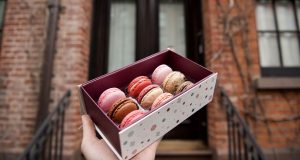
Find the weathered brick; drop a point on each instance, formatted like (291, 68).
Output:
(273, 101)
(21, 59)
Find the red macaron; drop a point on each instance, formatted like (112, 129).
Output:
(137, 85)
(131, 117)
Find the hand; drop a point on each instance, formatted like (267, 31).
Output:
(95, 149)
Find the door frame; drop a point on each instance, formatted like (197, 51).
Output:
(144, 46)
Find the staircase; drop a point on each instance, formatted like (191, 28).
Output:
(47, 143)
(48, 140)
(183, 149)
(241, 143)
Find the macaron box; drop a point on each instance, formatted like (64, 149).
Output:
(136, 105)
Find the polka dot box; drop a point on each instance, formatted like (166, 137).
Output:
(131, 140)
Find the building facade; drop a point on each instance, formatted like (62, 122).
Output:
(253, 45)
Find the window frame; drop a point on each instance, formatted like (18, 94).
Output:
(281, 71)
(3, 20)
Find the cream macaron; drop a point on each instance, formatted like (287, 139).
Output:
(172, 81)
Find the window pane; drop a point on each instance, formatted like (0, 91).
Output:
(269, 55)
(2, 6)
(298, 11)
(122, 34)
(290, 49)
(264, 16)
(172, 26)
(285, 15)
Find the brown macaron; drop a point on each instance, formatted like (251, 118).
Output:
(184, 86)
(173, 81)
(121, 108)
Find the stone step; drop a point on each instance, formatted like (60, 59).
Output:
(183, 149)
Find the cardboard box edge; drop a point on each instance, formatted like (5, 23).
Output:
(82, 104)
(108, 143)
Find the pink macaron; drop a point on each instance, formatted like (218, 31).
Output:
(109, 97)
(161, 99)
(160, 73)
(131, 117)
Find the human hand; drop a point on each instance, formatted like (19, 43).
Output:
(96, 149)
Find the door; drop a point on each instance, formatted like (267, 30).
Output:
(127, 30)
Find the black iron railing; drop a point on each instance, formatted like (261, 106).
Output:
(241, 143)
(47, 143)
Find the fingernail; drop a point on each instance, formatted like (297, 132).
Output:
(80, 127)
(84, 116)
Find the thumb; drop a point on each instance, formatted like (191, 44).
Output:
(88, 126)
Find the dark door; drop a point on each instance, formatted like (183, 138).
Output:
(128, 30)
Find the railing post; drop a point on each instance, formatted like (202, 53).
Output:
(56, 138)
(239, 141)
(62, 135)
(229, 133)
(245, 145)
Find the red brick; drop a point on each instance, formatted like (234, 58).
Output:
(21, 59)
(273, 102)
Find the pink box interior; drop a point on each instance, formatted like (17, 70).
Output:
(92, 89)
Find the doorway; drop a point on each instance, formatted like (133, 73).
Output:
(124, 31)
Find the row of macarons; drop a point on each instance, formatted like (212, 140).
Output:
(149, 93)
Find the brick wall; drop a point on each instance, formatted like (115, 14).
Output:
(22, 55)
(20, 68)
(276, 137)
(71, 65)
(280, 135)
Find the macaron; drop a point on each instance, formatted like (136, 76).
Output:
(148, 95)
(121, 108)
(131, 117)
(160, 73)
(161, 99)
(173, 81)
(184, 86)
(137, 85)
(109, 97)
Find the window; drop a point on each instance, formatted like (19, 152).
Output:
(171, 13)
(2, 8)
(123, 26)
(122, 34)
(278, 37)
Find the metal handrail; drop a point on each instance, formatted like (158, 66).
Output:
(47, 143)
(241, 142)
